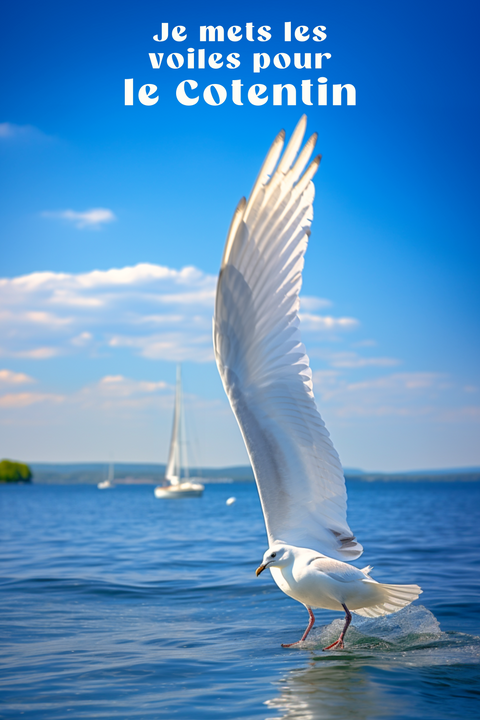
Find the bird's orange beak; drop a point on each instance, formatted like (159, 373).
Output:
(260, 569)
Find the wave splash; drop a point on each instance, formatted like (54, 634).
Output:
(411, 636)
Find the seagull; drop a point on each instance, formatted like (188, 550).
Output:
(267, 377)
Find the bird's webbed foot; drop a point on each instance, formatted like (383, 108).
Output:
(337, 644)
(304, 636)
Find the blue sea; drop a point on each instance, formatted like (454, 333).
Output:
(117, 605)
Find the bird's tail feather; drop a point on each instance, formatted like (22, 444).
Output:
(391, 599)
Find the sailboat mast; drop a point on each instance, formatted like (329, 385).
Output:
(183, 444)
(172, 472)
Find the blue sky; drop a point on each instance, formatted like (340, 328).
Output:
(113, 220)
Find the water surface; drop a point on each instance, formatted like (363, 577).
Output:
(117, 605)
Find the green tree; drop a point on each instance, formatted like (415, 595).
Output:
(11, 471)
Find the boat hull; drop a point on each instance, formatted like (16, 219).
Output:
(182, 490)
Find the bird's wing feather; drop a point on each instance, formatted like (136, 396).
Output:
(263, 363)
(341, 572)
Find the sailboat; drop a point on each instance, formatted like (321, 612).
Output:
(177, 457)
(108, 483)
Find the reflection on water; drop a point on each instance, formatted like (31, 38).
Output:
(333, 691)
(340, 684)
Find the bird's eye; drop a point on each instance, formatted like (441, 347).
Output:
(273, 555)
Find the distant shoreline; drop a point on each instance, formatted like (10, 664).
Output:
(153, 474)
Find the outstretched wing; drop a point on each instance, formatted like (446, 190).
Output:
(262, 361)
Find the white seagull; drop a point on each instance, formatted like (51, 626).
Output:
(267, 377)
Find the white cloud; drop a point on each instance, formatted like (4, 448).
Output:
(21, 400)
(9, 377)
(354, 360)
(46, 318)
(156, 311)
(380, 411)
(205, 298)
(325, 381)
(182, 346)
(8, 129)
(310, 303)
(93, 219)
(402, 382)
(117, 391)
(110, 391)
(11, 131)
(119, 386)
(371, 390)
(38, 353)
(407, 394)
(82, 340)
(319, 323)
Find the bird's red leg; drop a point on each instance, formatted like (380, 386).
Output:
(348, 620)
(309, 627)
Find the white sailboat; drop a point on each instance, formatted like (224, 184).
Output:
(177, 458)
(107, 484)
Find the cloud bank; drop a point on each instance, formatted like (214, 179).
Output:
(154, 311)
(412, 395)
(124, 318)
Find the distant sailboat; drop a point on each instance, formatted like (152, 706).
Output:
(177, 458)
(107, 484)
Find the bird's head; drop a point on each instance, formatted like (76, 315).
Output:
(276, 556)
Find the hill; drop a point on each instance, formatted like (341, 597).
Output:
(152, 474)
